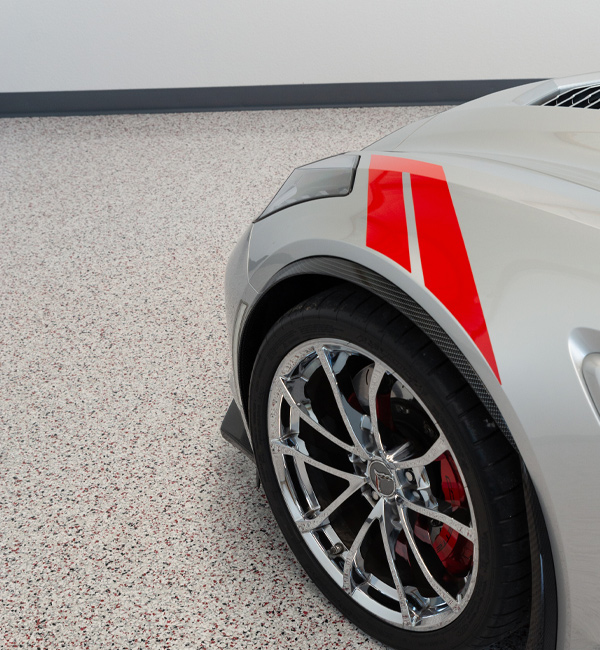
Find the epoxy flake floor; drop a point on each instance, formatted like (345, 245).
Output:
(126, 520)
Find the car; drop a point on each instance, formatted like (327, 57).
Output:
(415, 341)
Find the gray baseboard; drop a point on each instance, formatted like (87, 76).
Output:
(236, 98)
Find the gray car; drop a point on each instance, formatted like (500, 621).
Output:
(415, 335)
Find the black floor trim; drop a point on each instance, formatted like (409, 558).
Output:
(234, 98)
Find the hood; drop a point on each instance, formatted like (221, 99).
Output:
(512, 127)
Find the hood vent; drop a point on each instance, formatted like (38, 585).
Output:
(580, 97)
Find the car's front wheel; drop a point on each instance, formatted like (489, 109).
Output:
(391, 483)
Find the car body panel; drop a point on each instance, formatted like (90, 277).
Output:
(524, 183)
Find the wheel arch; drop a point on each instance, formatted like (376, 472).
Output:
(306, 277)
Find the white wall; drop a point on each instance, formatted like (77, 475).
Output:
(113, 44)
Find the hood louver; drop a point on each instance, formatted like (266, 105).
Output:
(580, 97)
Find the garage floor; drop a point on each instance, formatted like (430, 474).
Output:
(126, 520)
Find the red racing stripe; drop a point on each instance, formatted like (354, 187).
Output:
(446, 268)
(386, 217)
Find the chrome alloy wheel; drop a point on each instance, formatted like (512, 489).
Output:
(372, 484)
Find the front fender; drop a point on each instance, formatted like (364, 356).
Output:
(532, 243)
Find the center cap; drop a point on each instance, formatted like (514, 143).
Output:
(381, 478)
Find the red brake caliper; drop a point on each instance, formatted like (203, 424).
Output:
(454, 551)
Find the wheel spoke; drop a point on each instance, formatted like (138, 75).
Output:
(374, 382)
(298, 411)
(351, 417)
(306, 526)
(434, 452)
(293, 428)
(320, 516)
(351, 555)
(305, 484)
(433, 583)
(461, 529)
(389, 534)
(282, 448)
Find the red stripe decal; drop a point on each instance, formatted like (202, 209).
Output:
(446, 268)
(386, 218)
(399, 165)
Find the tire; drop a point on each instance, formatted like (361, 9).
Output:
(411, 522)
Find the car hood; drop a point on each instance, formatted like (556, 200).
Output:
(511, 127)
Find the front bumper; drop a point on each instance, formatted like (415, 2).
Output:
(234, 431)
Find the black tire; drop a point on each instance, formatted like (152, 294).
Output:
(499, 596)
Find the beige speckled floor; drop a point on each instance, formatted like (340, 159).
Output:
(126, 520)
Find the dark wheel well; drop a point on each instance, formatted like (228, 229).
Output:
(279, 299)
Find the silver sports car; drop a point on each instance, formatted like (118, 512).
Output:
(415, 333)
